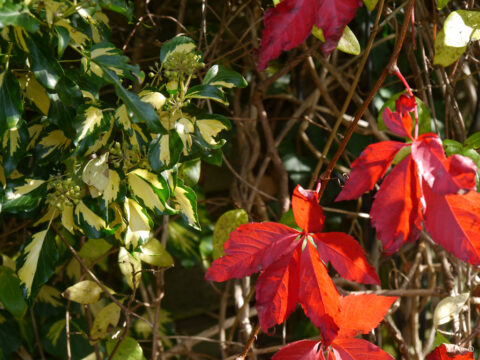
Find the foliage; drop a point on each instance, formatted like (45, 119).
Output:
(123, 181)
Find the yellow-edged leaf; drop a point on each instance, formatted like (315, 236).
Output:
(108, 316)
(82, 212)
(138, 229)
(153, 253)
(50, 215)
(50, 295)
(153, 97)
(118, 221)
(185, 202)
(95, 173)
(130, 267)
(184, 128)
(55, 331)
(113, 185)
(31, 184)
(84, 292)
(93, 119)
(143, 190)
(67, 217)
(210, 128)
(35, 92)
(32, 251)
(54, 140)
(34, 132)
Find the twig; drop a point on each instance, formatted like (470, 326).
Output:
(249, 343)
(393, 60)
(37, 336)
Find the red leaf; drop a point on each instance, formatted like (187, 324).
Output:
(358, 349)
(300, 350)
(306, 210)
(398, 123)
(318, 296)
(397, 212)
(346, 256)
(371, 165)
(332, 16)
(362, 313)
(277, 290)
(449, 352)
(453, 221)
(446, 176)
(290, 22)
(246, 250)
(405, 104)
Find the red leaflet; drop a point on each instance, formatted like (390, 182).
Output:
(445, 176)
(453, 221)
(290, 22)
(354, 318)
(288, 258)
(346, 256)
(450, 352)
(308, 214)
(359, 314)
(371, 165)
(397, 210)
(400, 124)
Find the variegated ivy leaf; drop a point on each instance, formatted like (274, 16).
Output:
(24, 197)
(91, 122)
(177, 44)
(53, 140)
(130, 267)
(14, 144)
(150, 189)
(101, 141)
(220, 76)
(105, 319)
(67, 217)
(155, 98)
(12, 108)
(95, 173)
(55, 331)
(84, 292)
(37, 261)
(77, 37)
(206, 92)
(34, 132)
(139, 224)
(164, 152)
(118, 222)
(91, 224)
(109, 57)
(208, 127)
(112, 188)
(49, 295)
(153, 253)
(35, 92)
(185, 128)
(184, 201)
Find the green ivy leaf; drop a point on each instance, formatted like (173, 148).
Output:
(10, 292)
(11, 100)
(18, 15)
(220, 76)
(226, 223)
(177, 44)
(206, 92)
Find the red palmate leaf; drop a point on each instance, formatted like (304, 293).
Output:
(288, 258)
(358, 349)
(362, 313)
(359, 314)
(346, 256)
(300, 350)
(405, 104)
(450, 352)
(371, 165)
(306, 210)
(398, 123)
(318, 296)
(246, 250)
(397, 211)
(453, 221)
(445, 176)
(290, 22)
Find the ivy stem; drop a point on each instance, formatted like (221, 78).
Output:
(390, 68)
(250, 342)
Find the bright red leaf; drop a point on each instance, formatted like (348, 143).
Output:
(450, 352)
(453, 221)
(287, 258)
(398, 123)
(371, 165)
(359, 314)
(402, 204)
(397, 210)
(290, 22)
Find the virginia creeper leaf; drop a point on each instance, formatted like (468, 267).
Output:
(290, 22)
(358, 349)
(446, 176)
(452, 221)
(306, 210)
(371, 165)
(346, 256)
(397, 211)
(300, 350)
(450, 352)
